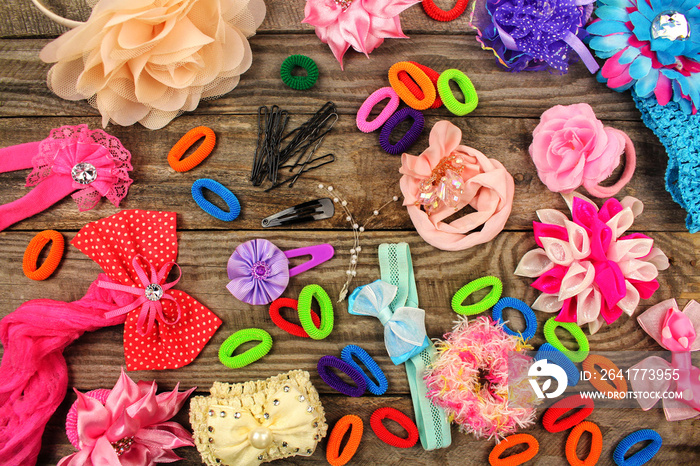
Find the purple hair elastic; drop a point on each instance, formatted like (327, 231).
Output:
(259, 271)
(411, 135)
(335, 382)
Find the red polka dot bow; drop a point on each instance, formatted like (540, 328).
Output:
(165, 328)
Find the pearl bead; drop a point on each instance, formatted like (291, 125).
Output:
(260, 437)
(354, 273)
(344, 203)
(348, 272)
(396, 198)
(362, 228)
(353, 261)
(358, 249)
(348, 218)
(354, 256)
(330, 188)
(320, 186)
(355, 226)
(335, 199)
(352, 251)
(376, 212)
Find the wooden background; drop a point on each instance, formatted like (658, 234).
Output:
(501, 127)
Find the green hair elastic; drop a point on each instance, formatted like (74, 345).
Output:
(550, 335)
(229, 346)
(304, 308)
(489, 300)
(299, 82)
(471, 99)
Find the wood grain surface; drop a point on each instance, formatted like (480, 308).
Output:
(501, 127)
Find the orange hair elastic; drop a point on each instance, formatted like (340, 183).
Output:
(596, 444)
(333, 455)
(618, 388)
(514, 460)
(31, 255)
(187, 141)
(420, 77)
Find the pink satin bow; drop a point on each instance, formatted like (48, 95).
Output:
(676, 331)
(153, 290)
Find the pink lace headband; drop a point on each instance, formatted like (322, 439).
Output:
(572, 148)
(73, 159)
(447, 177)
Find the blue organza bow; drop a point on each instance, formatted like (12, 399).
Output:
(404, 329)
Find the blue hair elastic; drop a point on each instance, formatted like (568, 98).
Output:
(354, 350)
(553, 355)
(524, 309)
(642, 456)
(220, 190)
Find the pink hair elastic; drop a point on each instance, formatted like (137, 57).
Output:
(572, 148)
(374, 98)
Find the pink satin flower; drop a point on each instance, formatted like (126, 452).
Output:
(130, 429)
(360, 24)
(677, 332)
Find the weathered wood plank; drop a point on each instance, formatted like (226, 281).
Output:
(23, 90)
(203, 257)
(359, 160)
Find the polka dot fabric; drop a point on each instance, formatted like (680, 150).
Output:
(112, 243)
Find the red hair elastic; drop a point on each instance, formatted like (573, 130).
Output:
(333, 455)
(187, 141)
(415, 88)
(439, 14)
(375, 421)
(289, 327)
(618, 388)
(596, 444)
(553, 420)
(31, 255)
(533, 446)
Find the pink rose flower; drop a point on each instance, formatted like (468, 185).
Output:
(677, 332)
(571, 147)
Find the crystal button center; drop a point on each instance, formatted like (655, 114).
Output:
(84, 173)
(154, 292)
(670, 25)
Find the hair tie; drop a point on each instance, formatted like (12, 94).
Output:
(72, 433)
(299, 82)
(618, 388)
(572, 148)
(336, 383)
(486, 302)
(187, 141)
(448, 177)
(375, 421)
(554, 420)
(409, 138)
(439, 14)
(420, 77)
(220, 190)
(249, 356)
(304, 306)
(553, 355)
(524, 309)
(533, 447)
(596, 444)
(644, 455)
(551, 336)
(333, 454)
(369, 103)
(415, 89)
(31, 255)
(382, 384)
(471, 99)
(289, 327)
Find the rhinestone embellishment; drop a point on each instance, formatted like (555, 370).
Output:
(260, 457)
(123, 445)
(286, 388)
(84, 173)
(222, 414)
(302, 397)
(154, 292)
(284, 444)
(309, 409)
(237, 415)
(211, 429)
(670, 25)
(276, 402)
(266, 416)
(211, 412)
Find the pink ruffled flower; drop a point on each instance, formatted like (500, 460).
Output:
(571, 147)
(362, 24)
(677, 332)
(130, 429)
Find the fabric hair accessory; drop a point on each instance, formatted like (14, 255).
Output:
(400, 418)
(89, 164)
(524, 309)
(199, 51)
(448, 177)
(554, 420)
(427, 88)
(382, 384)
(249, 356)
(126, 425)
(491, 410)
(533, 447)
(299, 82)
(614, 387)
(439, 14)
(333, 454)
(485, 303)
(572, 148)
(133, 291)
(336, 383)
(642, 456)
(550, 335)
(677, 332)
(574, 438)
(550, 354)
(411, 135)
(587, 270)
(259, 271)
(369, 104)
(362, 25)
(258, 421)
(289, 327)
(234, 206)
(471, 98)
(36, 245)
(415, 89)
(535, 35)
(186, 142)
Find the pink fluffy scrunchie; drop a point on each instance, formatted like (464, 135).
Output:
(447, 177)
(572, 148)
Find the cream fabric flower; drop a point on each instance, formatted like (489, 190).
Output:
(151, 60)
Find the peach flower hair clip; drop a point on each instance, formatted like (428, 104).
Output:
(152, 60)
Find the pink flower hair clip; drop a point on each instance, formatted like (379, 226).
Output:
(572, 148)
(587, 270)
(362, 24)
(127, 425)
